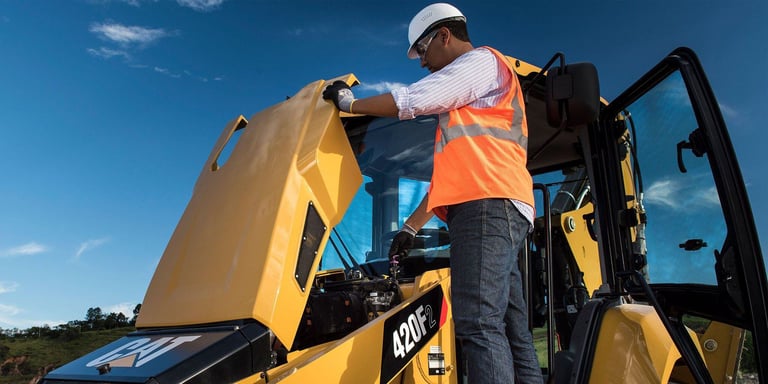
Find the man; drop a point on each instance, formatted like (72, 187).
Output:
(480, 186)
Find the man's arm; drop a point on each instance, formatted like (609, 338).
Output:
(403, 240)
(342, 96)
(420, 216)
(379, 105)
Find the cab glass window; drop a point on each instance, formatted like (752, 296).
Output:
(685, 223)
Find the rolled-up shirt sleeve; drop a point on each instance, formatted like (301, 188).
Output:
(459, 83)
(405, 112)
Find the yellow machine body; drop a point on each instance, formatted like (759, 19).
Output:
(278, 270)
(633, 347)
(356, 358)
(234, 252)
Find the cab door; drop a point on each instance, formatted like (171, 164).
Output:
(682, 238)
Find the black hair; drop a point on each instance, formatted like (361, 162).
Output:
(458, 29)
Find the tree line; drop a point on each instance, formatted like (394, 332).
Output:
(95, 320)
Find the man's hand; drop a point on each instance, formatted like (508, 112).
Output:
(341, 95)
(402, 242)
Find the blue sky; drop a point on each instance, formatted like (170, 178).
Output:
(109, 108)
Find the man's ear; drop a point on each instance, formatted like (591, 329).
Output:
(445, 35)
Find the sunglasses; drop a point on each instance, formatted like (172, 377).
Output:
(423, 44)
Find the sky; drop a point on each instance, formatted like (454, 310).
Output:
(109, 108)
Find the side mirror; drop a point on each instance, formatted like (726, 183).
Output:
(573, 95)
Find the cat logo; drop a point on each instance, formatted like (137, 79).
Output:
(140, 351)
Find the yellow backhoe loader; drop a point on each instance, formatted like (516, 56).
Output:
(644, 265)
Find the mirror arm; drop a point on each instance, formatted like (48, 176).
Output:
(544, 69)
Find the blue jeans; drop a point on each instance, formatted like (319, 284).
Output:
(489, 310)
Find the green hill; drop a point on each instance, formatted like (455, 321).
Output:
(45, 352)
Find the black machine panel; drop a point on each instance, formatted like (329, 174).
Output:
(187, 355)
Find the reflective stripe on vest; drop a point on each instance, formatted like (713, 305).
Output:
(514, 134)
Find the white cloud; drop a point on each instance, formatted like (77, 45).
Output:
(167, 72)
(708, 196)
(727, 110)
(8, 310)
(10, 322)
(9, 318)
(124, 308)
(8, 287)
(133, 3)
(89, 245)
(136, 3)
(201, 5)
(26, 249)
(729, 113)
(662, 192)
(107, 53)
(132, 38)
(125, 35)
(677, 195)
(381, 87)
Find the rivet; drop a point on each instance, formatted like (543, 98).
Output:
(570, 224)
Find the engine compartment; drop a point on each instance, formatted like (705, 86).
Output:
(339, 303)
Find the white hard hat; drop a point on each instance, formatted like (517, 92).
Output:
(423, 22)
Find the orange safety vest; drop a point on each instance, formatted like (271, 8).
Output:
(482, 152)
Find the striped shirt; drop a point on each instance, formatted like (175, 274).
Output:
(475, 78)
